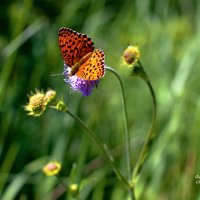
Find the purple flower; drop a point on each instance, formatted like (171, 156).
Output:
(78, 84)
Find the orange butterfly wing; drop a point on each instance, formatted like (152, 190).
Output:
(74, 45)
(93, 67)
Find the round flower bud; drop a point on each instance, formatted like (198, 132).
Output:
(131, 55)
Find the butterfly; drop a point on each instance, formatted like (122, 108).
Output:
(78, 52)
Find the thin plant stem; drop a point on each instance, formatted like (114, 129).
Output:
(127, 139)
(150, 134)
(125, 120)
(100, 146)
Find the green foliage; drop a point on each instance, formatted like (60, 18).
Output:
(168, 35)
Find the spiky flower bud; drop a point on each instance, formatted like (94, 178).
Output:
(37, 104)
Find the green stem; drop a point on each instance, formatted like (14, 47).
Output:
(100, 145)
(128, 144)
(150, 134)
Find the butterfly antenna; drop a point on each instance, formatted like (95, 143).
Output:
(57, 74)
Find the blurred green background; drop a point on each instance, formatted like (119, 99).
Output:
(168, 34)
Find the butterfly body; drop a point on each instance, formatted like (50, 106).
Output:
(77, 65)
(78, 53)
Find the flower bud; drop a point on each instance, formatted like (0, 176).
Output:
(74, 190)
(37, 104)
(51, 168)
(50, 95)
(61, 106)
(131, 55)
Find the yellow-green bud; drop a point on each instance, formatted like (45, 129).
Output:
(131, 55)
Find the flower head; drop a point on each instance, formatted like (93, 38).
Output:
(51, 168)
(78, 84)
(37, 104)
(131, 55)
